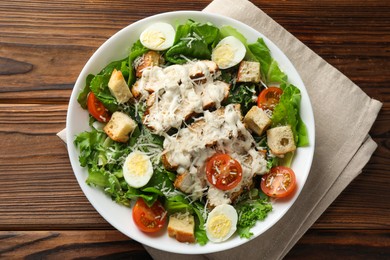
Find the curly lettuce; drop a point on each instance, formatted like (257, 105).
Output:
(250, 211)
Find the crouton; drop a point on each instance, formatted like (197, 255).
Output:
(149, 59)
(118, 87)
(119, 127)
(249, 71)
(281, 140)
(257, 120)
(181, 226)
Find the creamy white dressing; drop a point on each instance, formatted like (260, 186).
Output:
(176, 92)
(221, 130)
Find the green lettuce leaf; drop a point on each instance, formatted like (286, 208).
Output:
(83, 95)
(136, 51)
(197, 49)
(286, 112)
(209, 33)
(242, 94)
(177, 203)
(192, 41)
(250, 211)
(104, 159)
(99, 84)
(270, 71)
(158, 184)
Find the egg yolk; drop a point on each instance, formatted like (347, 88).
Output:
(220, 226)
(138, 164)
(155, 38)
(223, 55)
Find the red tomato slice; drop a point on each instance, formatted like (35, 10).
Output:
(97, 109)
(280, 182)
(223, 171)
(149, 219)
(269, 98)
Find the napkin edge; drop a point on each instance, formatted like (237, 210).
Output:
(359, 161)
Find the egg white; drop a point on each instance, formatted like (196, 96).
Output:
(229, 52)
(221, 223)
(137, 169)
(158, 36)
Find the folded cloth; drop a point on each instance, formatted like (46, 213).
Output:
(343, 116)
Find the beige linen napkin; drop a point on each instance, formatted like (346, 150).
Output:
(343, 116)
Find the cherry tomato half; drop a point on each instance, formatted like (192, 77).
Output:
(97, 109)
(280, 182)
(149, 219)
(269, 98)
(223, 171)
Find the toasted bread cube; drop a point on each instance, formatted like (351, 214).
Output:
(118, 87)
(149, 59)
(119, 127)
(249, 71)
(257, 120)
(181, 226)
(281, 140)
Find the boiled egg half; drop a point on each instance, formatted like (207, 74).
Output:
(229, 52)
(158, 36)
(137, 169)
(221, 223)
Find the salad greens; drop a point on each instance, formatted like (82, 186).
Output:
(104, 157)
(192, 41)
(287, 111)
(250, 211)
(136, 51)
(270, 70)
(242, 94)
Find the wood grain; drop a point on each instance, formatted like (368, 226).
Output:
(45, 44)
(60, 244)
(342, 244)
(56, 244)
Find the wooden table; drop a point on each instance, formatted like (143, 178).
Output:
(45, 44)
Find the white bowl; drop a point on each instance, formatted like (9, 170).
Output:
(120, 217)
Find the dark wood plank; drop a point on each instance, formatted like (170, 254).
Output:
(55, 39)
(60, 244)
(342, 244)
(36, 174)
(64, 35)
(56, 244)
